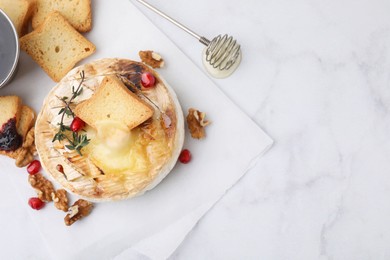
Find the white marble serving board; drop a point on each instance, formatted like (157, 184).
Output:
(164, 215)
(316, 76)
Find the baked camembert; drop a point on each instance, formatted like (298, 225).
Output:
(132, 137)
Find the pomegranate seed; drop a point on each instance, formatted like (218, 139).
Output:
(34, 167)
(77, 124)
(36, 203)
(185, 156)
(148, 80)
(60, 168)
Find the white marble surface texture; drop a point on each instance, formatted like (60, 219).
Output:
(315, 76)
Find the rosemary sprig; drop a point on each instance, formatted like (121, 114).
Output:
(78, 141)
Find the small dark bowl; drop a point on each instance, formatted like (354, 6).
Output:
(9, 49)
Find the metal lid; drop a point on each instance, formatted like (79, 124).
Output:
(9, 49)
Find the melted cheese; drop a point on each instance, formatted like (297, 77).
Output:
(115, 149)
(115, 135)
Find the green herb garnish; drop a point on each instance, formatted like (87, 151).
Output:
(78, 141)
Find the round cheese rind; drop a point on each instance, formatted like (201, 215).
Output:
(81, 175)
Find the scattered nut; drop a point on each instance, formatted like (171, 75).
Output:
(72, 211)
(43, 186)
(196, 123)
(80, 209)
(152, 59)
(29, 140)
(25, 157)
(33, 150)
(60, 199)
(26, 153)
(156, 56)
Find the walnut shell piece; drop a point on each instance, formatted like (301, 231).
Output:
(30, 138)
(196, 123)
(151, 58)
(60, 199)
(26, 153)
(24, 157)
(42, 185)
(80, 209)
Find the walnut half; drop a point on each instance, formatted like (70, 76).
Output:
(42, 185)
(196, 123)
(80, 209)
(152, 59)
(27, 151)
(60, 199)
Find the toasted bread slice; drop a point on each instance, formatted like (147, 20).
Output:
(10, 108)
(19, 11)
(56, 46)
(77, 12)
(113, 101)
(27, 120)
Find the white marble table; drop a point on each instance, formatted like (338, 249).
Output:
(315, 76)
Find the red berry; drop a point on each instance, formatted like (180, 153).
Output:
(148, 80)
(36, 203)
(77, 124)
(34, 167)
(185, 156)
(60, 168)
